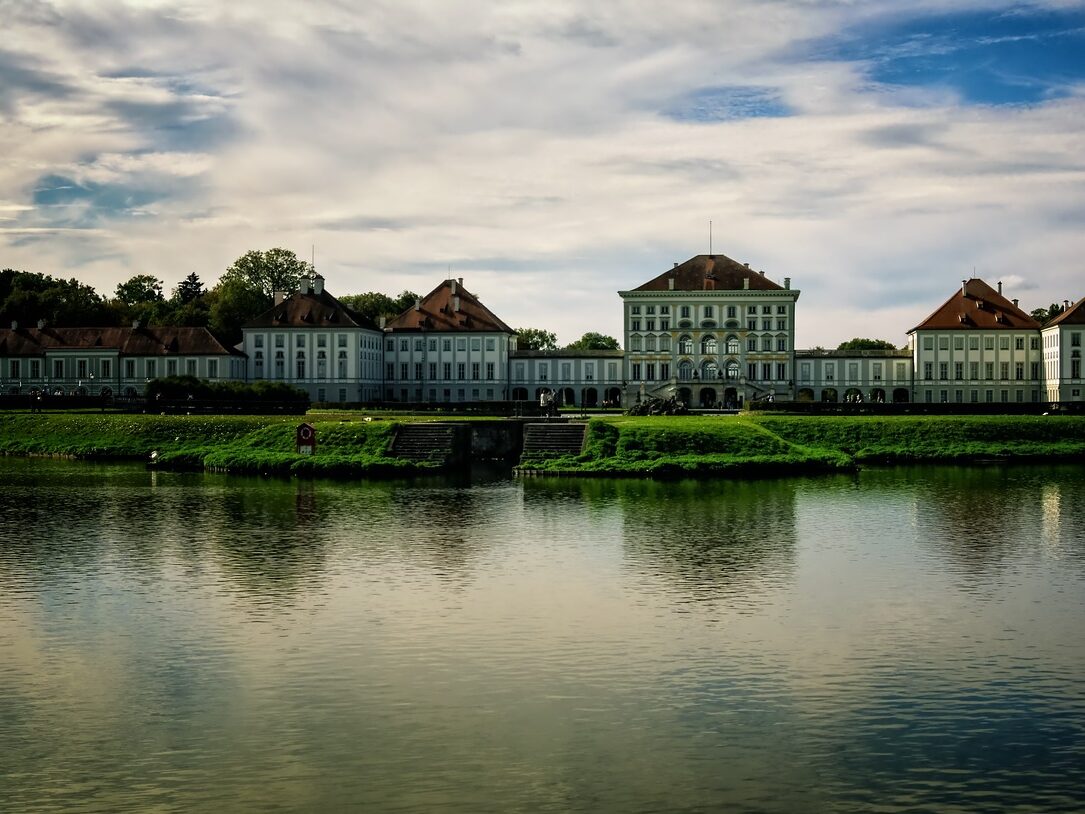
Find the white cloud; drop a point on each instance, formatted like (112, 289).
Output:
(524, 145)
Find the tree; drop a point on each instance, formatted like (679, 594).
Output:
(188, 289)
(594, 341)
(27, 297)
(1043, 315)
(373, 304)
(140, 288)
(866, 344)
(535, 339)
(233, 302)
(270, 271)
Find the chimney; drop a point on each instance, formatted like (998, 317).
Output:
(676, 265)
(787, 282)
(762, 272)
(1066, 305)
(745, 283)
(747, 265)
(452, 285)
(318, 284)
(1000, 287)
(417, 304)
(456, 303)
(670, 284)
(279, 297)
(381, 321)
(460, 281)
(1014, 301)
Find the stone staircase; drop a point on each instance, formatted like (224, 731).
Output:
(553, 440)
(425, 442)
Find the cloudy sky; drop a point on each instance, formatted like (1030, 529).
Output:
(552, 153)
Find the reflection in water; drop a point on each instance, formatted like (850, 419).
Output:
(192, 642)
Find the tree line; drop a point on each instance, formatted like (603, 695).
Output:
(245, 290)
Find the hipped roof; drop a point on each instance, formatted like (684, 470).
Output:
(710, 272)
(977, 306)
(307, 309)
(164, 341)
(437, 312)
(1074, 315)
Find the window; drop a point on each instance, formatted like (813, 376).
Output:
(446, 345)
(300, 366)
(566, 371)
(853, 371)
(751, 309)
(280, 365)
(988, 343)
(781, 371)
(766, 343)
(649, 343)
(212, 368)
(958, 370)
(943, 370)
(928, 370)
(684, 311)
(279, 340)
(171, 367)
(989, 370)
(612, 369)
(635, 343)
(664, 325)
(341, 366)
(876, 367)
(1035, 370)
(58, 368)
(390, 344)
(751, 325)
(958, 343)
(650, 325)
(766, 325)
(81, 368)
(781, 324)
(766, 309)
(636, 371)
(491, 343)
(751, 343)
(461, 344)
(258, 341)
(830, 372)
(973, 343)
(404, 344)
(732, 345)
(649, 309)
(804, 371)
(1019, 371)
(635, 309)
(543, 371)
(685, 345)
(129, 368)
(751, 371)
(321, 364)
(418, 370)
(1034, 343)
(1004, 370)
(107, 368)
(901, 371)
(664, 370)
(433, 349)
(16, 369)
(461, 371)
(732, 370)
(928, 343)
(1019, 343)
(322, 342)
(419, 344)
(973, 370)
(708, 345)
(1075, 339)
(341, 342)
(781, 343)
(446, 371)
(299, 340)
(664, 309)
(665, 342)
(476, 343)
(708, 312)
(766, 371)
(781, 309)
(1003, 343)
(732, 312)
(650, 372)
(685, 371)
(404, 370)
(475, 371)
(634, 325)
(943, 343)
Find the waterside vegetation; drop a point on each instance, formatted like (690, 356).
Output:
(357, 445)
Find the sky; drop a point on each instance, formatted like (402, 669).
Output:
(876, 152)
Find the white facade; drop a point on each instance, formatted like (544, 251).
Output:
(877, 376)
(977, 366)
(578, 378)
(1062, 352)
(447, 366)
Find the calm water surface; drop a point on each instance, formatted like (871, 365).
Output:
(901, 640)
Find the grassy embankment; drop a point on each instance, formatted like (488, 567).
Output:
(673, 447)
(243, 444)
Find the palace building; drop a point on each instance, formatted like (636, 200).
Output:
(711, 332)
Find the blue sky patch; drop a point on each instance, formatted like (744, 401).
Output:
(68, 202)
(727, 103)
(1021, 56)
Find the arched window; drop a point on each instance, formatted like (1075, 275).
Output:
(732, 345)
(708, 345)
(732, 370)
(341, 362)
(709, 371)
(685, 344)
(685, 370)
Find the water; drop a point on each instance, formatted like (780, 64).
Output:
(901, 640)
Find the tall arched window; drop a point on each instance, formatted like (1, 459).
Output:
(732, 345)
(685, 370)
(685, 344)
(732, 370)
(708, 346)
(709, 371)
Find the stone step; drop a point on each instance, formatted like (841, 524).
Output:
(424, 442)
(551, 440)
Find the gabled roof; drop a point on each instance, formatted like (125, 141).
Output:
(1074, 315)
(164, 341)
(977, 306)
(449, 307)
(710, 272)
(310, 309)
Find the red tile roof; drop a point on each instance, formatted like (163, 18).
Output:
(1074, 315)
(710, 272)
(308, 309)
(165, 341)
(449, 307)
(977, 306)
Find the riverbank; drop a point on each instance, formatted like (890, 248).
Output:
(681, 446)
(250, 444)
(356, 445)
